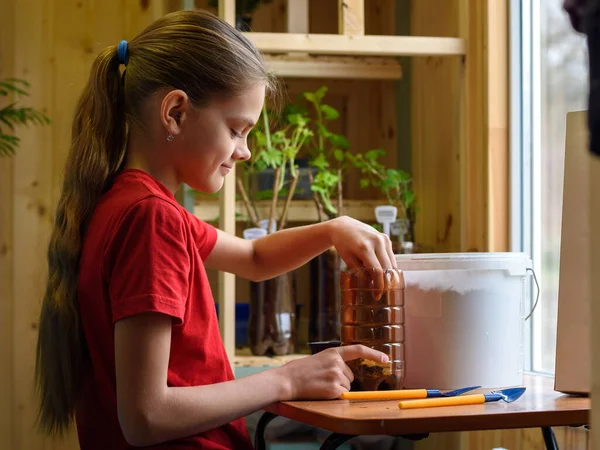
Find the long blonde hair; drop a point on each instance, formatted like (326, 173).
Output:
(189, 50)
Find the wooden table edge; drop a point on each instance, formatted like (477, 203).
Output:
(418, 425)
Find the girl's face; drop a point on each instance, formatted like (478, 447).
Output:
(208, 141)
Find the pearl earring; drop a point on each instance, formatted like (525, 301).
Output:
(170, 137)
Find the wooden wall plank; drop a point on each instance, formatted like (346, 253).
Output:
(50, 43)
(474, 189)
(595, 295)
(7, 429)
(497, 104)
(31, 213)
(435, 107)
(226, 294)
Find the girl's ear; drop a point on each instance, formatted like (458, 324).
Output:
(172, 111)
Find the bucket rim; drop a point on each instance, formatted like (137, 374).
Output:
(464, 257)
(516, 263)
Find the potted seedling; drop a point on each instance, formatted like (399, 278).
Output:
(328, 153)
(396, 185)
(273, 303)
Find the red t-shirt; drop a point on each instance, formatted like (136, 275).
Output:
(144, 252)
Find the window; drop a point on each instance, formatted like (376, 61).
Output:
(548, 79)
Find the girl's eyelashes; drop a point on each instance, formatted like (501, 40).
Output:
(235, 134)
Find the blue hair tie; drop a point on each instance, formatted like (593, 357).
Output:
(122, 52)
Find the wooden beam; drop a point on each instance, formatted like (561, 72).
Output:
(300, 210)
(227, 11)
(333, 44)
(594, 205)
(474, 188)
(339, 67)
(497, 73)
(297, 16)
(351, 17)
(435, 104)
(227, 224)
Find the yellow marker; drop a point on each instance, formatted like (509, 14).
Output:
(385, 395)
(474, 399)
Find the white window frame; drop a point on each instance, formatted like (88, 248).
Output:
(525, 164)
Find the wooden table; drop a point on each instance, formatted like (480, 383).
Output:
(540, 406)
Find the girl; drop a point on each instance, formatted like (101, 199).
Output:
(129, 344)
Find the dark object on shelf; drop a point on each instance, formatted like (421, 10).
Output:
(272, 323)
(324, 316)
(243, 23)
(265, 178)
(242, 312)
(372, 314)
(243, 11)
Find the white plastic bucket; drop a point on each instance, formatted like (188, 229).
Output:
(464, 319)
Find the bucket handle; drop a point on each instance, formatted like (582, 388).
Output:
(537, 297)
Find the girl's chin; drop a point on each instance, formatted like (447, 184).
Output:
(211, 187)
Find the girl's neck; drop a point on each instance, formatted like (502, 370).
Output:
(143, 155)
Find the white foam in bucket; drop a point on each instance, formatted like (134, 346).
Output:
(464, 319)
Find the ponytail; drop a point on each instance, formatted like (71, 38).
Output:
(96, 156)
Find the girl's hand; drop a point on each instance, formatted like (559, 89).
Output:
(361, 245)
(325, 375)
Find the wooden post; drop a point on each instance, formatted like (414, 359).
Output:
(227, 11)
(227, 224)
(497, 128)
(595, 296)
(7, 405)
(351, 17)
(473, 125)
(297, 16)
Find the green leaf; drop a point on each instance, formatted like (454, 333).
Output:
(372, 155)
(329, 112)
(10, 86)
(317, 188)
(337, 140)
(338, 154)
(310, 97)
(8, 144)
(403, 176)
(323, 131)
(320, 162)
(364, 183)
(320, 93)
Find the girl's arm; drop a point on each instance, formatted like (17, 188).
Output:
(151, 412)
(357, 243)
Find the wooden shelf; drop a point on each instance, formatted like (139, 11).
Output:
(373, 45)
(342, 67)
(300, 210)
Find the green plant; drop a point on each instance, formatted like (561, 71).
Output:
(13, 115)
(328, 153)
(275, 150)
(395, 184)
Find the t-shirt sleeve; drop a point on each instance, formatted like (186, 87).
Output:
(147, 262)
(205, 236)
